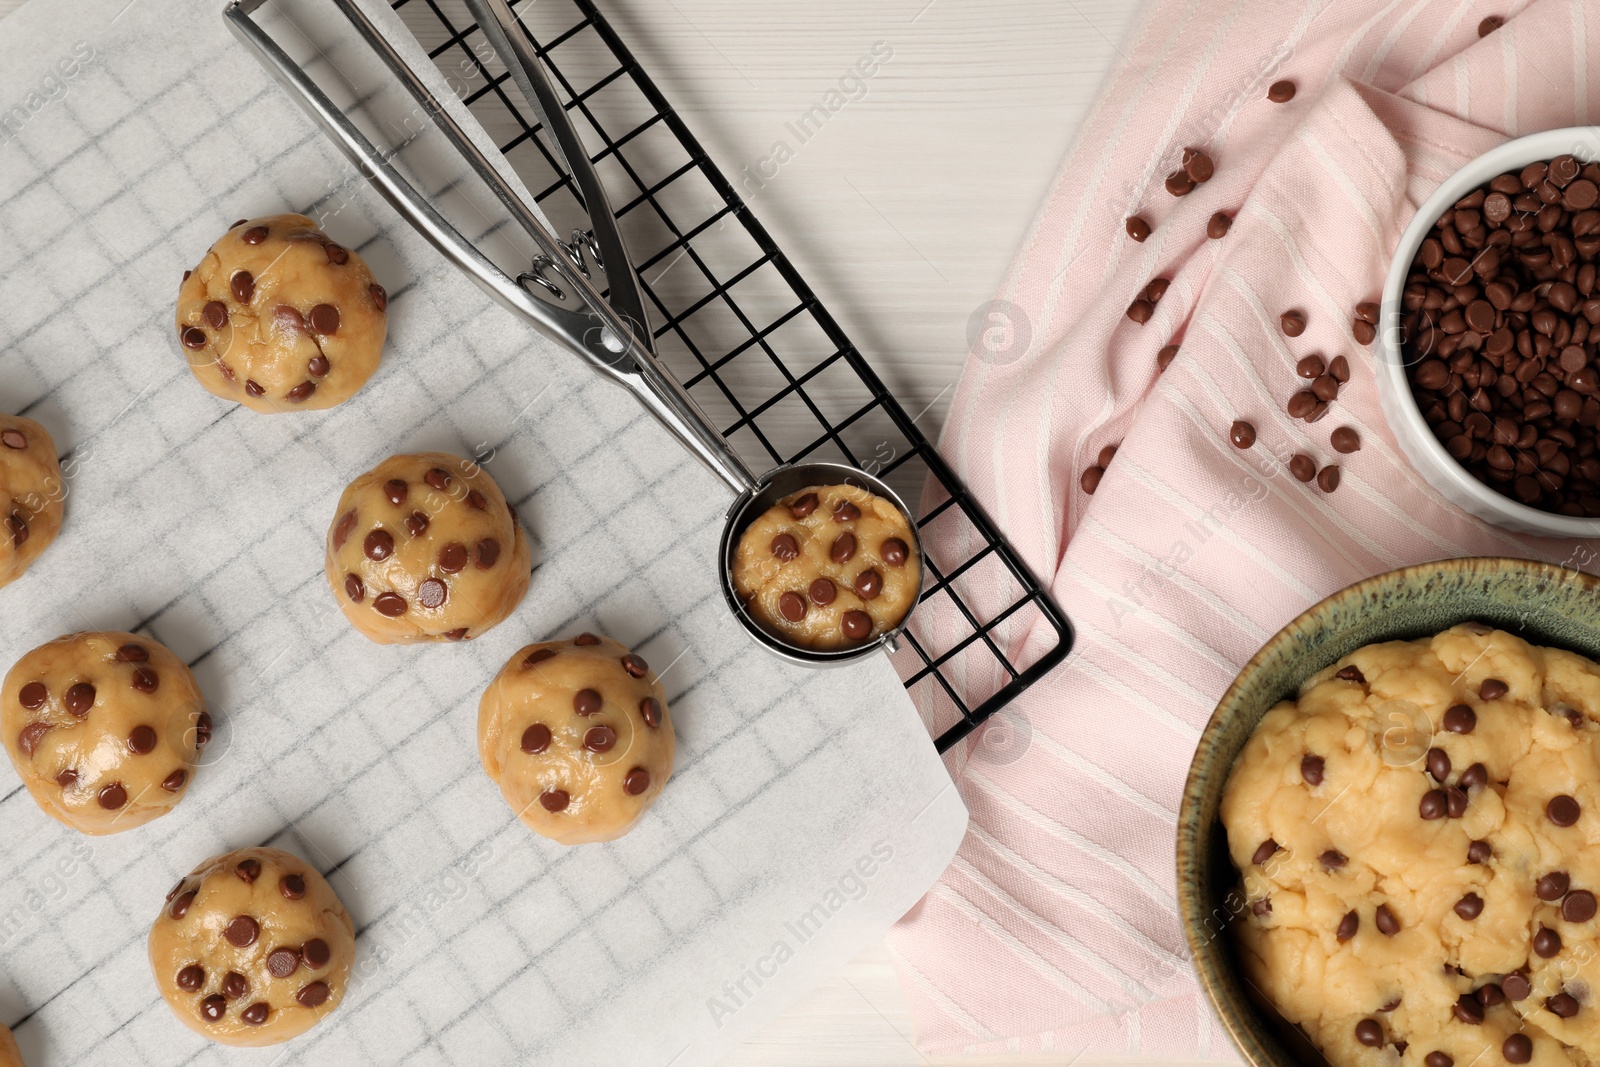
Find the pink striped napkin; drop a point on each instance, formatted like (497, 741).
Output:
(1055, 927)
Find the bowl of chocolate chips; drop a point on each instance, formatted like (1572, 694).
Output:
(1489, 368)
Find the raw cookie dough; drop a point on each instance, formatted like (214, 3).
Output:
(578, 736)
(104, 728)
(10, 1055)
(252, 948)
(425, 547)
(1417, 836)
(30, 494)
(828, 567)
(279, 317)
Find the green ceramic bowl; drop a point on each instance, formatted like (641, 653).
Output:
(1543, 603)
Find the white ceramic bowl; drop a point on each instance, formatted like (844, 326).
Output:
(1417, 441)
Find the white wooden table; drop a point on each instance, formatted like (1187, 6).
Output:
(902, 212)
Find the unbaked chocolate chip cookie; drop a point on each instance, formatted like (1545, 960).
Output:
(10, 1055)
(578, 737)
(828, 567)
(279, 317)
(104, 728)
(425, 547)
(30, 494)
(252, 948)
(1416, 835)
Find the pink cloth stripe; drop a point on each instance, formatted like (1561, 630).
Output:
(1054, 930)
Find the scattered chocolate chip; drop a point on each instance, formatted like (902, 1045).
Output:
(856, 625)
(1264, 851)
(242, 931)
(313, 995)
(538, 655)
(822, 592)
(113, 796)
(1474, 776)
(256, 1014)
(194, 337)
(635, 665)
(868, 584)
(1516, 986)
(843, 548)
(1348, 926)
(396, 490)
(215, 313)
(214, 1007)
(1460, 719)
(1479, 852)
(1179, 183)
(316, 953)
(1578, 907)
(1261, 907)
(235, 985)
(1328, 478)
(1438, 1059)
(28, 740)
(14, 439)
(554, 800)
(1438, 762)
(1562, 1005)
(252, 388)
(586, 701)
(1433, 805)
(1089, 481)
(292, 886)
(1517, 1048)
(1293, 323)
(69, 778)
(1562, 810)
(1552, 886)
(1369, 1032)
(1218, 225)
(1311, 367)
(180, 905)
(243, 285)
(341, 530)
(1345, 440)
(1311, 768)
(1468, 1010)
(432, 593)
(1546, 943)
(488, 553)
(584, 639)
(1242, 434)
(1281, 92)
(1456, 802)
(894, 552)
(1137, 228)
(599, 738)
(416, 524)
(1165, 357)
(202, 729)
(248, 870)
(844, 511)
(1333, 859)
(324, 319)
(79, 699)
(254, 235)
(191, 978)
(1490, 995)
(1301, 404)
(1351, 673)
(792, 606)
(18, 527)
(453, 558)
(1139, 311)
(142, 741)
(33, 695)
(336, 253)
(1469, 907)
(803, 506)
(300, 392)
(380, 296)
(282, 962)
(391, 605)
(354, 588)
(636, 782)
(650, 712)
(477, 501)
(1493, 689)
(536, 738)
(379, 545)
(785, 547)
(1489, 25)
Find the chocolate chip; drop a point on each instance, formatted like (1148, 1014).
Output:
(300, 392)
(1264, 851)
(318, 366)
(1489, 25)
(856, 625)
(1328, 478)
(438, 478)
(33, 695)
(1293, 323)
(536, 738)
(324, 319)
(1281, 92)
(1339, 367)
(14, 439)
(599, 738)
(488, 553)
(193, 337)
(1242, 434)
(314, 995)
(248, 870)
(354, 589)
(18, 527)
(1474, 776)
(316, 953)
(391, 605)
(1333, 859)
(1345, 440)
(1579, 907)
(1516, 987)
(1438, 761)
(1552, 886)
(803, 506)
(1517, 1048)
(635, 665)
(191, 978)
(396, 490)
(1218, 225)
(1165, 357)
(1456, 803)
(1179, 183)
(1369, 1032)
(650, 712)
(28, 740)
(242, 931)
(538, 655)
(1460, 719)
(1386, 921)
(1546, 943)
(1479, 852)
(784, 547)
(1311, 768)
(282, 962)
(1137, 228)
(416, 524)
(379, 545)
(453, 557)
(292, 886)
(254, 235)
(1301, 404)
(554, 800)
(142, 741)
(868, 585)
(1468, 1010)
(235, 985)
(256, 1014)
(336, 253)
(174, 781)
(1493, 689)
(1469, 907)
(243, 285)
(1325, 388)
(1490, 995)
(478, 502)
(1311, 367)
(1261, 907)
(180, 905)
(586, 701)
(214, 1007)
(844, 547)
(1364, 331)
(432, 593)
(69, 778)
(1348, 926)
(202, 729)
(1562, 810)
(79, 699)
(636, 782)
(113, 796)
(792, 606)
(252, 388)
(584, 639)
(1351, 673)
(1433, 805)
(894, 552)
(1562, 1005)
(341, 531)
(380, 296)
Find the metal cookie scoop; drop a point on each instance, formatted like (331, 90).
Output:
(611, 334)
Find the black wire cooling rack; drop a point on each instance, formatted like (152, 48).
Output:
(752, 343)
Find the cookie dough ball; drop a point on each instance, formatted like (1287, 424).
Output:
(279, 317)
(425, 547)
(1415, 836)
(828, 567)
(252, 948)
(30, 494)
(10, 1055)
(104, 729)
(578, 737)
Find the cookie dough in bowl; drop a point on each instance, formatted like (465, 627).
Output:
(30, 494)
(279, 317)
(425, 547)
(104, 728)
(1416, 838)
(828, 567)
(252, 948)
(578, 737)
